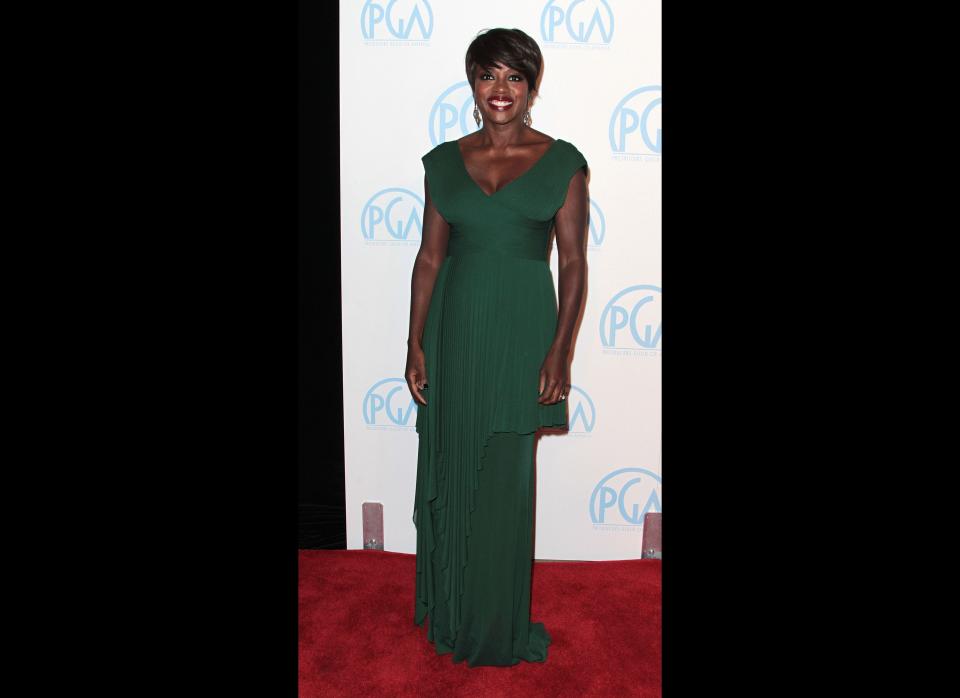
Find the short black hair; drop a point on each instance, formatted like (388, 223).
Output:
(506, 47)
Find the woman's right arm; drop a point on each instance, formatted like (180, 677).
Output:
(433, 250)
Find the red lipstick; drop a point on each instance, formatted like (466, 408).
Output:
(500, 103)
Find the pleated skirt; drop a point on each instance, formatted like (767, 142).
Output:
(495, 627)
(490, 324)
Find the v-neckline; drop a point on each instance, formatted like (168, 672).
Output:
(463, 166)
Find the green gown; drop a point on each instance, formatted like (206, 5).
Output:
(491, 320)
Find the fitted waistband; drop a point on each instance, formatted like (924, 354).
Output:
(462, 246)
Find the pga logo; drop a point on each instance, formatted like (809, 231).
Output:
(579, 21)
(597, 226)
(635, 123)
(451, 116)
(624, 497)
(583, 413)
(631, 319)
(396, 20)
(394, 214)
(388, 403)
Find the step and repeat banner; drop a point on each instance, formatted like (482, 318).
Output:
(403, 91)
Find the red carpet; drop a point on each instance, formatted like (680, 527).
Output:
(357, 636)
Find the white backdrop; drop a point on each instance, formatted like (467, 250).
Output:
(402, 91)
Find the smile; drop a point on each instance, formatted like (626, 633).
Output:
(500, 104)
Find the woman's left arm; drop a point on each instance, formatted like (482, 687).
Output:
(571, 229)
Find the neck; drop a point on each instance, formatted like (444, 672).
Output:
(501, 136)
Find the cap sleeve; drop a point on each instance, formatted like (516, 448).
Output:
(571, 161)
(576, 161)
(437, 171)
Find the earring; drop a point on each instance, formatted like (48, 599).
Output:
(526, 118)
(476, 114)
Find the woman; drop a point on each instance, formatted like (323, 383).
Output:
(488, 354)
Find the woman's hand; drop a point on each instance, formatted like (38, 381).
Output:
(416, 372)
(554, 377)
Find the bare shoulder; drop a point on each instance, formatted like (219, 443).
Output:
(540, 138)
(468, 141)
